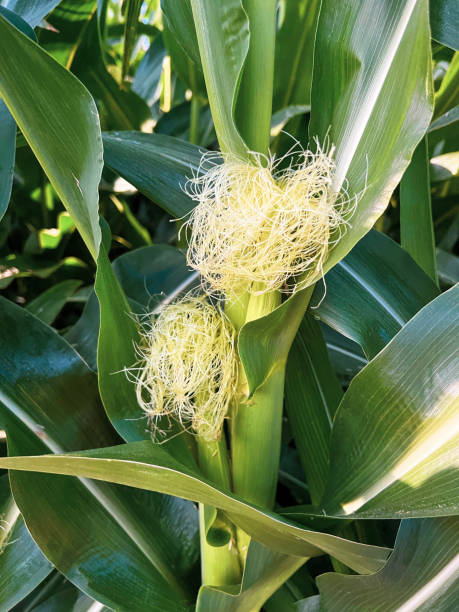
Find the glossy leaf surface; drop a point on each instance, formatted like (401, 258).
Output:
(149, 466)
(65, 137)
(22, 565)
(49, 401)
(395, 435)
(421, 573)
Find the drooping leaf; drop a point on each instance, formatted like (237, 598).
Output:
(117, 545)
(157, 165)
(64, 137)
(150, 466)
(395, 435)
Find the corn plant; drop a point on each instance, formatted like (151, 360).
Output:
(229, 336)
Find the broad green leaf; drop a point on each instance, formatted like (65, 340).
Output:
(364, 51)
(444, 22)
(395, 436)
(8, 126)
(421, 574)
(22, 565)
(416, 226)
(49, 402)
(222, 29)
(65, 137)
(372, 292)
(151, 467)
(265, 571)
(49, 303)
(157, 165)
(312, 395)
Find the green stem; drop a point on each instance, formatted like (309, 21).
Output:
(194, 119)
(220, 563)
(254, 104)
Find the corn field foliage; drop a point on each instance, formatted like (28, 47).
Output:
(229, 314)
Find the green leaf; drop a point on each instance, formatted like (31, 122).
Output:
(157, 165)
(182, 45)
(312, 395)
(345, 355)
(373, 123)
(448, 267)
(447, 97)
(178, 18)
(118, 336)
(118, 109)
(8, 126)
(395, 435)
(294, 54)
(265, 571)
(65, 137)
(421, 574)
(49, 401)
(22, 565)
(49, 303)
(148, 74)
(142, 274)
(132, 8)
(372, 292)
(222, 29)
(416, 225)
(444, 22)
(151, 467)
(32, 11)
(356, 98)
